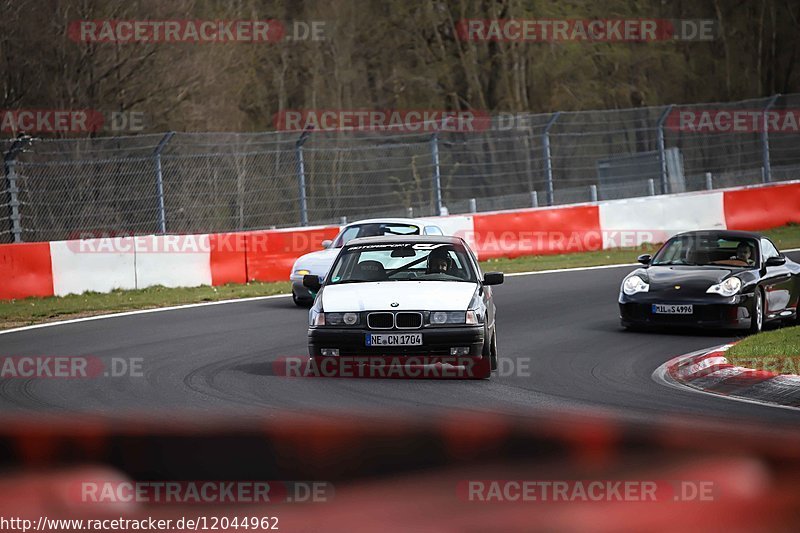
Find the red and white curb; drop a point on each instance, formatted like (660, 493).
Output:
(709, 371)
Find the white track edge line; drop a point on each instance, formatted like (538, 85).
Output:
(140, 312)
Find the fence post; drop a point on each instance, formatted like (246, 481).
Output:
(651, 186)
(10, 167)
(767, 172)
(548, 161)
(437, 177)
(301, 175)
(473, 205)
(534, 199)
(593, 192)
(162, 214)
(662, 155)
(709, 181)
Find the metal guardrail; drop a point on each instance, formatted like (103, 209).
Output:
(207, 182)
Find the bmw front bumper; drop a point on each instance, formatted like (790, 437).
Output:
(436, 342)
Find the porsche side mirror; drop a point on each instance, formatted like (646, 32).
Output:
(776, 261)
(644, 259)
(311, 281)
(327, 243)
(493, 278)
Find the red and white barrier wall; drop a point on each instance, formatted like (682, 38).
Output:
(101, 265)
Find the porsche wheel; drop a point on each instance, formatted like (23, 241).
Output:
(757, 318)
(301, 302)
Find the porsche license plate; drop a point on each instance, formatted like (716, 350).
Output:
(672, 309)
(394, 339)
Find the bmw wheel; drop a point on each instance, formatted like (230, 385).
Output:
(493, 352)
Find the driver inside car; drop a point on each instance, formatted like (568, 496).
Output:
(438, 262)
(744, 253)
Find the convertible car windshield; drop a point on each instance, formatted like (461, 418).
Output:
(403, 262)
(708, 250)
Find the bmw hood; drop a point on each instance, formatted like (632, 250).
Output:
(408, 295)
(317, 262)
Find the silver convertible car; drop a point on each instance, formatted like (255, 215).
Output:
(403, 299)
(318, 263)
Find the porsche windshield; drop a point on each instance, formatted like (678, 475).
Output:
(403, 262)
(708, 250)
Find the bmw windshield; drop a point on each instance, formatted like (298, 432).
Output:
(403, 262)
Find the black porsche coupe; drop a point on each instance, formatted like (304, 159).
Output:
(712, 279)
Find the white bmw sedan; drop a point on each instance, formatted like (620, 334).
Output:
(414, 298)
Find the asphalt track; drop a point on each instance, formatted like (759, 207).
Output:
(217, 360)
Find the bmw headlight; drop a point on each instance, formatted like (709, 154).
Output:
(440, 318)
(341, 319)
(729, 287)
(334, 319)
(634, 284)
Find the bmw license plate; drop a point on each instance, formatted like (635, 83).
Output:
(672, 309)
(394, 339)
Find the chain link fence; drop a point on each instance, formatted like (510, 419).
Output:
(214, 182)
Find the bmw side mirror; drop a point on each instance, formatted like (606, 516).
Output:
(493, 278)
(644, 259)
(311, 281)
(776, 261)
(327, 243)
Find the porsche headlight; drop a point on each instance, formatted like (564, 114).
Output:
(634, 284)
(729, 287)
(302, 272)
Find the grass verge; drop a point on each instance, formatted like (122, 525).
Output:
(776, 351)
(16, 313)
